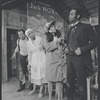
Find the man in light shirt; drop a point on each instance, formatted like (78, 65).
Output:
(21, 48)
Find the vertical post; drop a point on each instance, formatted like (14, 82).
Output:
(0, 45)
(4, 49)
(99, 64)
(98, 35)
(88, 89)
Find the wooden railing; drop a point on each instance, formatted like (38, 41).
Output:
(92, 85)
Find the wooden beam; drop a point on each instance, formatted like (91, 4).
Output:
(14, 3)
(83, 8)
(99, 51)
(92, 5)
(60, 7)
(0, 47)
(88, 2)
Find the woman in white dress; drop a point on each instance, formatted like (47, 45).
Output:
(36, 58)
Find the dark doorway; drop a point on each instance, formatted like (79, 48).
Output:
(11, 44)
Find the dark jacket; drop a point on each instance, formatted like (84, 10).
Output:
(87, 40)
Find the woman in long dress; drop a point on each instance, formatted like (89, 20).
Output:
(54, 66)
(37, 61)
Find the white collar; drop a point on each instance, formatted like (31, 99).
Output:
(50, 31)
(74, 23)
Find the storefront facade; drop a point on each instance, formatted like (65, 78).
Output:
(31, 15)
(12, 20)
(35, 16)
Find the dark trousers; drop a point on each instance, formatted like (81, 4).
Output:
(76, 69)
(23, 69)
(23, 64)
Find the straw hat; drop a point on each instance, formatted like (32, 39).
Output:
(48, 25)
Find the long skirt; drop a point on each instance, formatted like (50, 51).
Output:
(38, 68)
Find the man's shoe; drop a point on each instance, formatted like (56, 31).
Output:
(40, 95)
(19, 89)
(22, 88)
(31, 86)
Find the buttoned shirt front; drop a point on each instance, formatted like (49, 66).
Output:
(72, 44)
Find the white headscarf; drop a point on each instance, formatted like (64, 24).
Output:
(27, 32)
(29, 43)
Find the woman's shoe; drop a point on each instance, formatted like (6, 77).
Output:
(31, 86)
(40, 95)
(32, 92)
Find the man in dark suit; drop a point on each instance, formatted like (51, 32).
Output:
(81, 39)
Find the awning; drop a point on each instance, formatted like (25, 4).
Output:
(88, 7)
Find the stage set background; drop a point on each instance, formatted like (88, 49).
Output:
(38, 14)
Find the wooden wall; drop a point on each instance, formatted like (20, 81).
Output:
(13, 19)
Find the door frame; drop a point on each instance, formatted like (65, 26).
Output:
(4, 51)
(10, 33)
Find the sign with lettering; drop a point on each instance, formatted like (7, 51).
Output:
(38, 14)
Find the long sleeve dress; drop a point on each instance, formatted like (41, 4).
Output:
(37, 61)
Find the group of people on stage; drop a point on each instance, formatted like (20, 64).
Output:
(50, 59)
